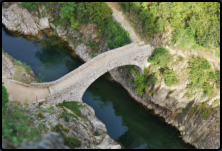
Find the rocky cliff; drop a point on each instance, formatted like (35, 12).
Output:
(168, 102)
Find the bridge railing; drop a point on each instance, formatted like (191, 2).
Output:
(82, 67)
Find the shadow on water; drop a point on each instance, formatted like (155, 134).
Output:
(126, 121)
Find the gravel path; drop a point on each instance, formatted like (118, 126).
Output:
(22, 93)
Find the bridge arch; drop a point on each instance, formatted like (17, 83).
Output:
(73, 88)
(75, 92)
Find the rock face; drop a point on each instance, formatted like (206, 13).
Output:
(50, 140)
(19, 19)
(83, 128)
(194, 129)
(10, 69)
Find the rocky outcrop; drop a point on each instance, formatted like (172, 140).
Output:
(83, 128)
(11, 70)
(19, 19)
(51, 140)
(194, 129)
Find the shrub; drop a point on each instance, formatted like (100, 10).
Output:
(170, 77)
(72, 142)
(146, 72)
(208, 90)
(205, 115)
(153, 78)
(161, 57)
(40, 103)
(4, 99)
(189, 95)
(180, 110)
(73, 106)
(96, 133)
(31, 6)
(66, 129)
(19, 127)
(217, 101)
(40, 115)
(40, 78)
(140, 82)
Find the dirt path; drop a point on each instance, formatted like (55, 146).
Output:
(118, 13)
(22, 93)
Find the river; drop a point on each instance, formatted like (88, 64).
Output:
(126, 121)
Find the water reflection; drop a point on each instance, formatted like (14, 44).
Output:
(126, 121)
(49, 56)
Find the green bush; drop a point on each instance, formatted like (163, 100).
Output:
(189, 95)
(188, 26)
(66, 129)
(180, 110)
(40, 78)
(161, 57)
(72, 142)
(153, 78)
(40, 115)
(96, 133)
(31, 6)
(216, 101)
(73, 106)
(205, 115)
(4, 99)
(140, 83)
(40, 103)
(17, 127)
(170, 76)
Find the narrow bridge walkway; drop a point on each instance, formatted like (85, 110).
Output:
(98, 62)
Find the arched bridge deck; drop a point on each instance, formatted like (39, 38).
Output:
(72, 86)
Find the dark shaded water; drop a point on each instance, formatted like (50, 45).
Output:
(125, 120)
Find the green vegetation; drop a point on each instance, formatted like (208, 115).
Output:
(19, 63)
(31, 6)
(194, 23)
(205, 115)
(92, 12)
(40, 78)
(170, 77)
(201, 75)
(96, 133)
(180, 110)
(153, 79)
(161, 57)
(72, 142)
(18, 127)
(73, 106)
(3, 50)
(140, 83)
(40, 103)
(40, 115)
(189, 95)
(17, 25)
(4, 99)
(217, 101)
(204, 109)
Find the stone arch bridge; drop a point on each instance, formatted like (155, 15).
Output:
(72, 86)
